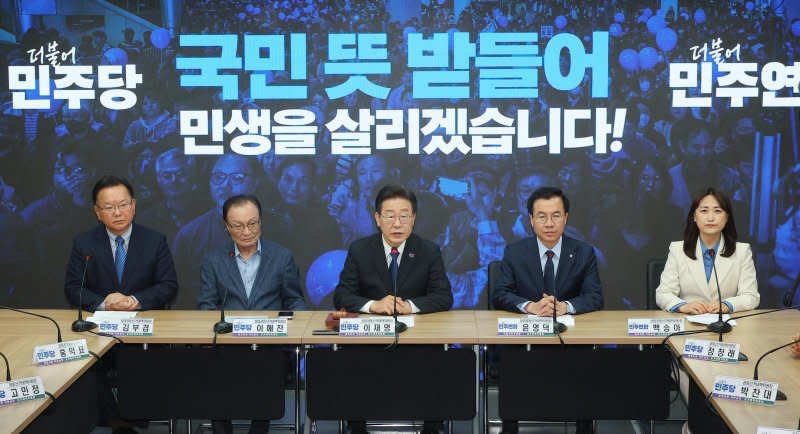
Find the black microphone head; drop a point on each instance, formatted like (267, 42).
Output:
(712, 253)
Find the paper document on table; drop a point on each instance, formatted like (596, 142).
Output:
(408, 320)
(567, 320)
(708, 318)
(114, 314)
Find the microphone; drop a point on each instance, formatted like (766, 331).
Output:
(796, 306)
(8, 367)
(780, 396)
(58, 329)
(223, 326)
(81, 325)
(399, 327)
(719, 326)
(788, 298)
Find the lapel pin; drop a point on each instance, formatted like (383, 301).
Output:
(410, 255)
(571, 255)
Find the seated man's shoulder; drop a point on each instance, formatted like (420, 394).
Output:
(275, 249)
(582, 247)
(148, 232)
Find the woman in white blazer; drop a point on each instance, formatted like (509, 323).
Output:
(688, 284)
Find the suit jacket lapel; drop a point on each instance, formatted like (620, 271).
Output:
(698, 270)
(379, 260)
(407, 262)
(565, 263)
(263, 266)
(236, 277)
(535, 258)
(106, 257)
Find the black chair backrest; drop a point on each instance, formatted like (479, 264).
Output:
(494, 272)
(654, 269)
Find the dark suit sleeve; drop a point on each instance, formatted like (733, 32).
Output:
(506, 294)
(591, 291)
(165, 279)
(291, 295)
(439, 296)
(72, 281)
(208, 297)
(346, 294)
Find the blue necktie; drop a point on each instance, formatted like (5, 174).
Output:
(119, 258)
(393, 267)
(549, 274)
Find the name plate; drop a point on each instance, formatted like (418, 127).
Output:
(366, 327)
(525, 326)
(654, 326)
(770, 430)
(714, 351)
(745, 389)
(259, 326)
(60, 352)
(24, 389)
(126, 326)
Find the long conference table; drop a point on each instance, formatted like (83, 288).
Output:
(449, 337)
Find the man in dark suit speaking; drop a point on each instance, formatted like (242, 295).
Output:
(129, 266)
(365, 284)
(549, 266)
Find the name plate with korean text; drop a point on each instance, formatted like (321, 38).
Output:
(770, 430)
(745, 389)
(248, 326)
(23, 389)
(366, 327)
(126, 326)
(60, 352)
(715, 351)
(654, 326)
(525, 326)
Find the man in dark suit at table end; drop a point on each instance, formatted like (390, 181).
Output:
(548, 267)
(128, 267)
(365, 283)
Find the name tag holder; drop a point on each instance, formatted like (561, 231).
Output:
(715, 351)
(126, 326)
(745, 389)
(374, 327)
(654, 326)
(253, 326)
(23, 389)
(525, 326)
(60, 352)
(771, 430)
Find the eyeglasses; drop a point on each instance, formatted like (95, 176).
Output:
(555, 217)
(109, 209)
(239, 228)
(219, 178)
(171, 176)
(389, 219)
(69, 171)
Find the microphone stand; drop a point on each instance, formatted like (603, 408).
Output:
(81, 325)
(780, 396)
